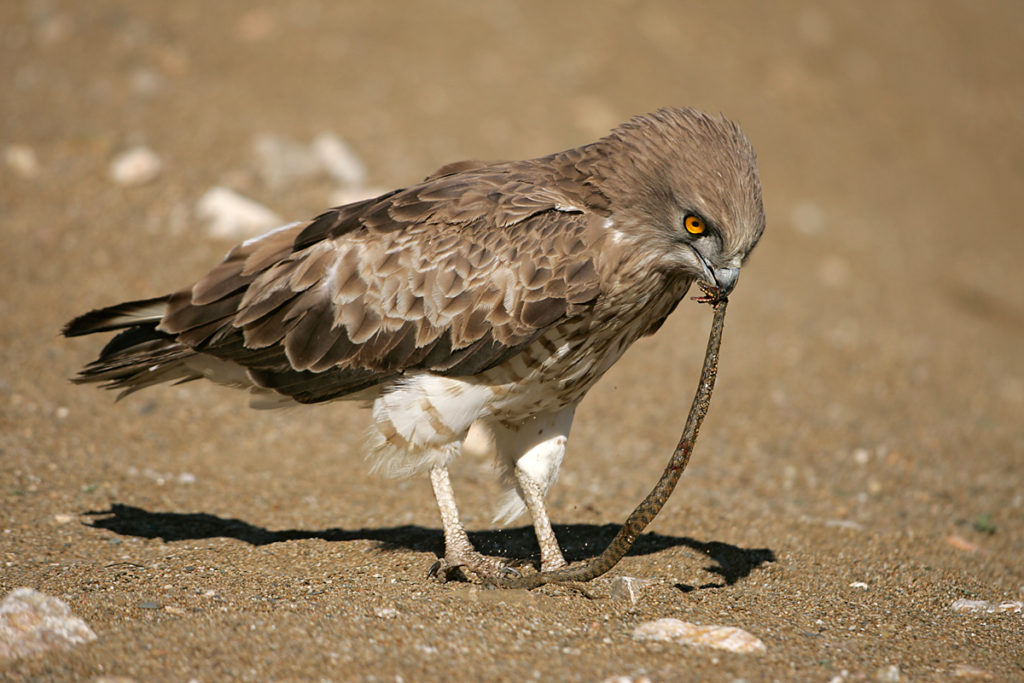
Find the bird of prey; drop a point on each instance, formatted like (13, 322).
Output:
(490, 293)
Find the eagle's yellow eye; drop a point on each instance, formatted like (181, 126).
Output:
(694, 225)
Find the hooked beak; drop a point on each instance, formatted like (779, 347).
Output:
(726, 278)
(723, 279)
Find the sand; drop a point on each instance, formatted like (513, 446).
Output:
(860, 469)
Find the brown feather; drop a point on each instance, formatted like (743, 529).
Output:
(458, 273)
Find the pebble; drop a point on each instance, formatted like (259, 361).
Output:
(136, 166)
(146, 81)
(987, 607)
(229, 215)
(628, 588)
(62, 518)
(889, 674)
(338, 159)
(861, 456)
(961, 543)
(32, 622)
(968, 671)
(22, 160)
(701, 635)
(282, 161)
(386, 612)
(149, 604)
(859, 584)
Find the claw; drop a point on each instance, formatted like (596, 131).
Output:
(712, 295)
(434, 569)
(511, 572)
(444, 571)
(485, 568)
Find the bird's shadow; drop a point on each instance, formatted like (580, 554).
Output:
(578, 541)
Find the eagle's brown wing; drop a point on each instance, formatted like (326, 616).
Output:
(452, 276)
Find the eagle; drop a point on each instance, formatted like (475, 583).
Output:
(491, 294)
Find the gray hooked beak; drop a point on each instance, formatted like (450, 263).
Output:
(724, 279)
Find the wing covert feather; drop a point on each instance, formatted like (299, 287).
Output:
(452, 276)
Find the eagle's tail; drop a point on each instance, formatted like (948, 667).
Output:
(140, 355)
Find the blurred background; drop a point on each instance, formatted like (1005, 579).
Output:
(872, 371)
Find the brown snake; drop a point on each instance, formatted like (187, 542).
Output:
(649, 508)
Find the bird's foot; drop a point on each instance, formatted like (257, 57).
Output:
(456, 565)
(712, 295)
(553, 564)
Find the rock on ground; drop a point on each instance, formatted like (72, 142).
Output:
(229, 215)
(702, 635)
(987, 606)
(136, 166)
(32, 622)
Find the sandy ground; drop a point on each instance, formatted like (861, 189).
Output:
(861, 466)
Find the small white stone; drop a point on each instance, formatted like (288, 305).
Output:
(386, 612)
(844, 524)
(700, 635)
(282, 161)
(968, 671)
(628, 588)
(889, 674)
(32, 622)
(861, 456)
(186, 478)
(62, 412)
(62, 518)
(859, 584)
(338, 159)
(22, 160)
(136, 166)
(146, 81)
(987, 607)
(229, 215)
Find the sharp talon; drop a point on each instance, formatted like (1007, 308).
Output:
(712, 295)
(511, 572)
(443, 570)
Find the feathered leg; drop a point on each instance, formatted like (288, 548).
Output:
(531, 454)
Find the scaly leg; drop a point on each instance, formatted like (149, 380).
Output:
(532, 493)
(458, 551)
